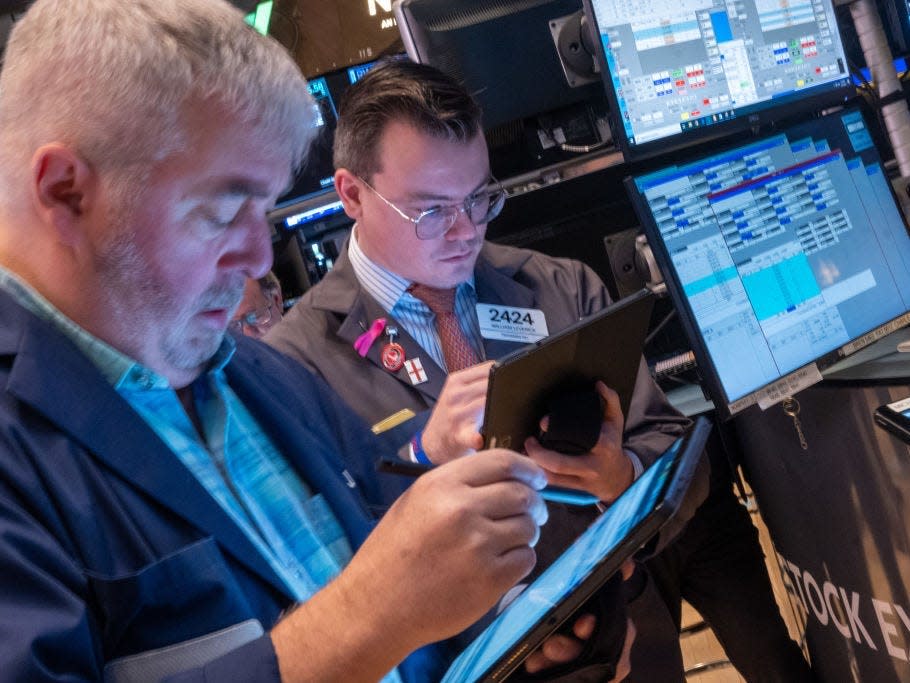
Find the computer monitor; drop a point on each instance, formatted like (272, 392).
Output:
(311, 202)
(782, 255)
(329, 35)
(507, 53)
(261, 16)
(316, 173)
(680, 72)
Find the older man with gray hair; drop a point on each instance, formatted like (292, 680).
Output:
(168, 493)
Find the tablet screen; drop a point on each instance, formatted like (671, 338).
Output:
(507, 635)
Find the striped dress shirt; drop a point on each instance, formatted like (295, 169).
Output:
(390, 291)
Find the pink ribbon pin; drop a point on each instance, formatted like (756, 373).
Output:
(365, 341)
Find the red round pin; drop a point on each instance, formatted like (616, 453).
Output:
(392, 357)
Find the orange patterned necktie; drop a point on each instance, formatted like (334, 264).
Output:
(456, 349)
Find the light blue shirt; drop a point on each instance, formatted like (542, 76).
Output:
(390, 291)
(242, 470)
(293, 528)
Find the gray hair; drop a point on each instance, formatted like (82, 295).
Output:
(112, 78)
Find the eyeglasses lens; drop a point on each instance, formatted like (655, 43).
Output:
(257, 318)
(481, 209)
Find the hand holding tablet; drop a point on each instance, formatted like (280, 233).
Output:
(606, 346)
(630, 522)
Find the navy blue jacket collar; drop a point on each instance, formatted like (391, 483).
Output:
(48, 373)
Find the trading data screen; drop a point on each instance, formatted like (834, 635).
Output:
(780, 251)
(682, 65)
(317, 171)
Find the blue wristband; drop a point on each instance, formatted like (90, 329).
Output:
(417, 450)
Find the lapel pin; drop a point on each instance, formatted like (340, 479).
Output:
(416, 373)
(363, 343)
(392, 354)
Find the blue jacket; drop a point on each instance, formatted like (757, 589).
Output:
(110, 547)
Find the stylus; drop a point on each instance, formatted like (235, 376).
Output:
(554, 494)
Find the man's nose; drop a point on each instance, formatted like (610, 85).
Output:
(251, 249)
(463, 228)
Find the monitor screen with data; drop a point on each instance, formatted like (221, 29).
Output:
(311, 201)
(782, 255)
(681, 71)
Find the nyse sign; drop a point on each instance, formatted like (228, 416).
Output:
(880, 626)
(384, 5)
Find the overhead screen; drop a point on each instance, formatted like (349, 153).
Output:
(261, 16)
(327, 35)
(782, 255)
(316, 173)
(680, 71)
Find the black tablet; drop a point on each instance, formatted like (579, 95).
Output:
(895, 417)
(606, 346)
(630, 522)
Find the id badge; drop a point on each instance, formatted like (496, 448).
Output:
(511, 323)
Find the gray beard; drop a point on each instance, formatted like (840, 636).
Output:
(136, 297)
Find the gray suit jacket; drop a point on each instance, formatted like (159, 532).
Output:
(320, 332)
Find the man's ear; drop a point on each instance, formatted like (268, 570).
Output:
(63, 187)
(350, 192)
(277, 301)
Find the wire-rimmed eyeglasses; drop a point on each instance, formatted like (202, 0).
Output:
(480, 208)
(257, 319)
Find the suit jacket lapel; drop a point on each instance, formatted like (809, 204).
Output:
(310, 446)
(366, 310)
(495, 286)
(49, 372)
(343, 295)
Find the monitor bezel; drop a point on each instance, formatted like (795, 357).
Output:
(798, 378)
(436, 33)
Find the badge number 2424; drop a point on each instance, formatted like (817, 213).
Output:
(510, 315)
(511, 323)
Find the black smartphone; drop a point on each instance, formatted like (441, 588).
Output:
(895, 417)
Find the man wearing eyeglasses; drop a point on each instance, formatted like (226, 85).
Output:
(261, 307)
(413, 171)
